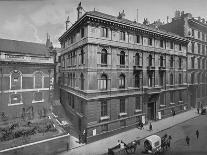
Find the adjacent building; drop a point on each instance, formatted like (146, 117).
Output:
(115, 72)
(194, 29)
(26, 79)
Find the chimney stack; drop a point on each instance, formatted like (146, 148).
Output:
(67, 23)
(80, 10)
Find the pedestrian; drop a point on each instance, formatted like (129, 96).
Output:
(169, 140)
(197, 134)
(198, 110)
(187, 139)
(150, 127)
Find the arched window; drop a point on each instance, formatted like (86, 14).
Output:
(171, 79)
(38, 79)
(15, 80)
(104, 56)
(150, 60)
(82, 81)
(103, 82)
(122, 58)
(122, 81)
(137, 58)
(161, 61)
(137, 81)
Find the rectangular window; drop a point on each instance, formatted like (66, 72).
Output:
(122, 105)
(180, 78)
(73, 101)
(104, 32)
(180, 63)
(171, 97)
(138, 38)
(104, 128)
(161, 79)
(180, 95)
(192, 62)
(150, 41)
(199, 64)
(203, 36)
(198, 34)
(199, 48)
(123, 123)
(150, 80)
(192, 47)
(161, 43)
(171, 45)
(104, 108)
(122, 36)
(137, 103)
(180, 47)
(193, 32)
(203, 49)
(82, 32)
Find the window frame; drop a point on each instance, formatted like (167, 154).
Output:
(104, 108)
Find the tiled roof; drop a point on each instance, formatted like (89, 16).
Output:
(14, 46)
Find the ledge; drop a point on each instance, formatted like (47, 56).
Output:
(38, 101)
(172, 103)
(122, 114)
(104, 118)
(138, 110)
(15, 104)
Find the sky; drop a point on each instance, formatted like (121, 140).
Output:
(31, 20)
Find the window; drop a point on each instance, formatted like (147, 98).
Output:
(192, 78)
(104, 127)
(122, 58)
(180, 78)
(104, 56)
(137, 81)
(171, 79)
(171, 97)
(38, 79)
(171, 45)
(104, 32)
(104, 108)
(137, 103)
(122, 81)
(198, 77)
(180, 63)
(150, 60)
(122, 35)
(161, 61)
(192, 47)
(199, 63)
(38, 96)
(82, 32)
(73, 101)
(137, 58)
(16, 80)
(123, 123)
(199, 48)
(82, 81)
(203, 36)
(138, 39)
(82, 56)
(122, 105)
(198, 34)
(171, 61)
(73, 79)
(192, 62)
(203, 49)
(15, 99)
(161, 43)
(161, 79)
(180, 95)
(103, 82)
(180, 47)
(150, 80)
(150, 41)
(193, 32)
(203, 63)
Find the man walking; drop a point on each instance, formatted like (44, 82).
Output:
(198, 110)
(197, 134)
(187, 139)
(150, 127)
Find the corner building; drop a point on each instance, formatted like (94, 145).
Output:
(194, 29)
(115, 72)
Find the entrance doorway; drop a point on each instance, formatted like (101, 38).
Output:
(151, 111)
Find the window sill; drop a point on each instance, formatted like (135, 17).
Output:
(162, 105)
(180, 102)
(122, 114)
(172, 103)
(15, 104)
(37, 101)
(103, 118)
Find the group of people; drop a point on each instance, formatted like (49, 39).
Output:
(187, 139)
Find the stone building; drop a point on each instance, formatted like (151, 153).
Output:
(26, 79)
(115, 72)
(194, 29)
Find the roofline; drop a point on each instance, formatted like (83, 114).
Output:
(197, 22)
(161, 32)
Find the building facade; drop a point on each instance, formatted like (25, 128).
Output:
(115, 72)
(194, 29)
(26, 80)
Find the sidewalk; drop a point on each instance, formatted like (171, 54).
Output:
(101, 146)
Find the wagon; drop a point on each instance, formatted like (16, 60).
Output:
(152, 144)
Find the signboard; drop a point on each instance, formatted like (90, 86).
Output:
(143, 119)
(159, 115)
